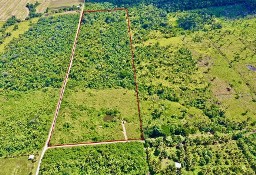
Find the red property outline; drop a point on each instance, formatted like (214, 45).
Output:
(69, 68)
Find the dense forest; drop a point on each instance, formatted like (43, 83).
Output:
(172, 5)
(128, 158)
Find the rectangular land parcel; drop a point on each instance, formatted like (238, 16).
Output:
(100, 93)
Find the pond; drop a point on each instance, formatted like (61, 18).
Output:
(252, 68)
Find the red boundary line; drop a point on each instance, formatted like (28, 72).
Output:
(92, 143)
(134, 71)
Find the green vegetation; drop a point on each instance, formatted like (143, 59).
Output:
(199, 155)
(128, 158)
(14, 31)
(43, 42)
(32, 68)
(32, 10)
(11, 21)
(101, 81)
(195, 65)
(95, 115)
(18, 165)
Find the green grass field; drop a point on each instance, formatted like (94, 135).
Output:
(20, 165)
(86, 116)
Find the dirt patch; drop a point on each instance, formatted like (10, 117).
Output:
(221, 88)
(205, 62)
(108, 118)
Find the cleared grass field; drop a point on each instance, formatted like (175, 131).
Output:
(85, 116)
(16, 166)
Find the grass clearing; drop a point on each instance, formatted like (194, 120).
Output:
(85, 116)
(19, 165)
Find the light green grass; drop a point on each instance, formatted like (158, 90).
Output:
(16, 166)
(83, 110)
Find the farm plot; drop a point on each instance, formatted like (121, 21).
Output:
(30, 83)
(100, 94)
(15, 7)
(121, 158)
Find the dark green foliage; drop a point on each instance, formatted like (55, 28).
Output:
(248, 147)
(125, 158)
(32, 10)
(103, 55)
(24, 128)
(173, 5)
(11, 21)
(251, 3)
(197, 21)
(40, 57)
(216, 154)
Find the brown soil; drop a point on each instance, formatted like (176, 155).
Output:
(108, 118)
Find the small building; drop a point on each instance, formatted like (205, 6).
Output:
(177, 165)
(31, 157)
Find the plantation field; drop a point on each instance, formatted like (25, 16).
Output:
(122, 158)
(101, 90)
(199, 155)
